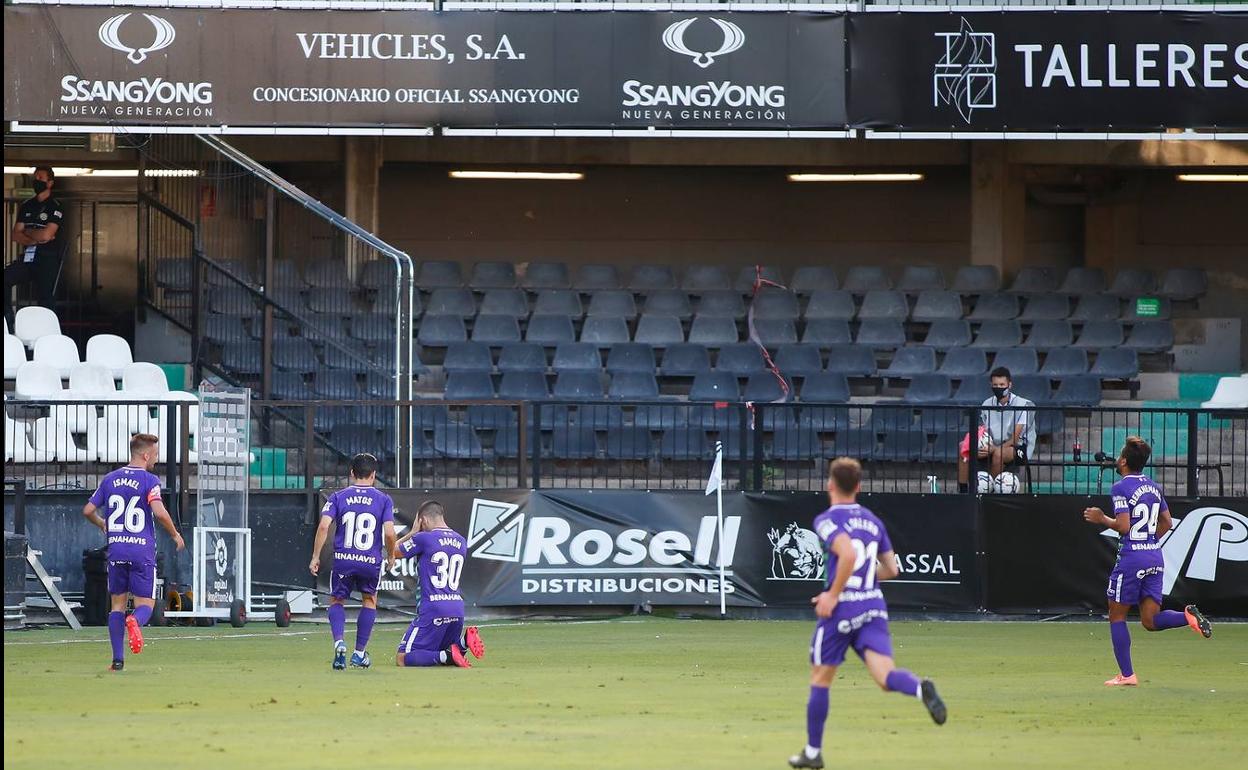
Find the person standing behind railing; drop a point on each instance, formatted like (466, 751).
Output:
(37, 231)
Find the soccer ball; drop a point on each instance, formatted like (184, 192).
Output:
(985, 442)
(1007, 483)
(983, 482)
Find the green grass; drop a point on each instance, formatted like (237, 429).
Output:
(642, 694)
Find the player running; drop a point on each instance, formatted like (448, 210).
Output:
(132, 496)
(356, 512)
(437, 635)
(852, 612)
(1141, 518)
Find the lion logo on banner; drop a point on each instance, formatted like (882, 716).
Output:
(796, 554)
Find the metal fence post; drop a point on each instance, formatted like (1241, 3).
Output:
(972, 462)
(756, 446)
(171, 460)
(1193, 472)
(537, 445)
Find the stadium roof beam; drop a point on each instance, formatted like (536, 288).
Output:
(853, 177)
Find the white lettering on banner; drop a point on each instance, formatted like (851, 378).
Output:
(355, 45)
(681, 585)
(1139, 70)
(927, 564)
(668, 548)
(143, 90)
(709, 94)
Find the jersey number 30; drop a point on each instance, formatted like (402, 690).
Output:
(450, 567)
(125, 514)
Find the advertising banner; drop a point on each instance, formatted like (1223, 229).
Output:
(185, 67)
(1042, 556)
(1048, 71)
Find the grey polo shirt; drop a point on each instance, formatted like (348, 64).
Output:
(1001, 419)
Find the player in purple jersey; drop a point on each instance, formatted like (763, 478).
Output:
(852, 612)
(356, 512)
(1141, 519)
(132, 496)
(437, 636)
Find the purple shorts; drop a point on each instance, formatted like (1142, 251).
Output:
(432, 634)
(866, 631)
(343, 582)
(129, 578)
(1131, 583)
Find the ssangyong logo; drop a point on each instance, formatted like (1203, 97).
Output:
(1199, 541)
(674, 39)
(110, 35)
(966, 74)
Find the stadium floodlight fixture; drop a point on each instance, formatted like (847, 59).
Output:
(74, 171)
(557, 176)
(882, 177)
(1213, 177)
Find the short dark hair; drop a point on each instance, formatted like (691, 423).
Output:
(1136, 452)
(141, 442)
(363, 465)
(846, 473)
(431, 509)
(47, 169)
(1001, 371)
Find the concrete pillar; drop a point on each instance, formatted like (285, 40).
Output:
(1111, 234)
(998, 200)
(362, 171)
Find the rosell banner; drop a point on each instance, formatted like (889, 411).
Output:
(288, 68)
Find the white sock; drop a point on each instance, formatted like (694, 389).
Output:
(442, 656)
(811, 752)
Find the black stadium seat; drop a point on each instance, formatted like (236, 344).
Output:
(522, 357)
(631, 357)
(291, 386)
(496, 329)
(1078, 391)
(1050, 334)
(336, 384)
(451, 301)
(977, 279)
(614, 303)
(604, 331)
(553, 275)
(439, 274)
(722, 304)
(1097, 307)
(659, 330)
(920, 278)
(995, 307)
(1046, 307)
(936, 305)
(1083, 280)
(830, 303)
(902, 446)
(1151, 337)
(796, 443)
(574, 441)
(523, 386)
(591, 278)
(827, 331)
(741, 359)
(703, 278)
(558, 302)
(685, 359)
(457, 441)
(928, 389)
(669, 302)
(910, 361)
(971, 391)
(684, 443)
(463, 386)
(1132, 282)
(765, 387)
(825, 388)
(1020, 361)
(467, 357)
(948, 333)
(1033, 387)
(1065, 362)
(773, 332)
(294, 354)
(776, 303)
(634, 386)
(576, 356)
(440, 331)
(715, 386)
(808, 279)
(879, 304)
(713, 331)
(512, 302)
(747, 276)
(1034, 280)
(582, 385)
(650, 277)
(1184, 283)
(998, 334)
(629, 442)
(378, 274)
(881, 334)
(964, 362)
(799, 360)
(492, 275)
(851, 360)
(864, 278)
(1116, 364)
(549, 330)
(1097, 335)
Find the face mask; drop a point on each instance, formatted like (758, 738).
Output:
(39, 186)
(1000, 392)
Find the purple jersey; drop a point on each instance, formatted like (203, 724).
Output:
(360, 515)
(862, 598)
(1140, 498)
(125, 496)
(440, 554)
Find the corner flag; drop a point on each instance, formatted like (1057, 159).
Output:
(716, 484)
(717, 471)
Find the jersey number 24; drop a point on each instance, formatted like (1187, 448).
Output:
(1146, 526)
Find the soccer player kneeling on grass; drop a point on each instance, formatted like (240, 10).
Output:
(356, 512)
(437, 636)
(1141, 518)
(132, 496)
(852, 612)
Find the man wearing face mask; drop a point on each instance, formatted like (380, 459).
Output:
(1010, 421)
(37, 233)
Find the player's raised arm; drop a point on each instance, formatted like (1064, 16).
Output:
(845, 556)
(1120, 524)
(162, 515)
(889, 568)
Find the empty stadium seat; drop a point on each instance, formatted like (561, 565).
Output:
(995, 307)
(522, 357)
(944, 449)
(558, 302)
(173, 273)
(325, 274)
(907, 362)
(1020, 361)
(741, 359)
(776, 303)
(1033, 387)
(378, 274)
(110, 351)
(554, 275)
(1050, 334)
(629, 442)
(604, 331)
(631, 357)
(1035, 279)
(766, 387)
(490, 416)
(286, 274)
(377, 384)
(1151, 337)
(774, 332)
(864, 278)
(797, 443)
(493, 275)
(1046, 307)
(1065, 362)
(881, 334)
(575, 441)
(634, 386)
(439, 274)
(38, 381)
(467, 357)
(713, 331)
(451, 301)
(890, 417)
(222, 329)
(720, 303)
(373, 327)
(799, 360)
(577, 356)
(582, 385)
(964, 362)
(230, 269)
(597, 278)
(549, 330)
(937, 305)
(852, 442)
(145, 378)
(998, 334)
(1183, 283)
(747, 276)
(920, 278)
(650, 277)
(685, 359)
(1078, 391)
(58, 351)
(243, 357)
(684, 443)
(512, 302)
(703, 278)
(901, 447)
(879, 304)
(1164, 311)
(331, 301)
(496, 329)
(1097, 335)
(825, 388)
(1097, 307)
(14, 355)
(977, 279)
(354, 438)
(336, 384)
(659, 330)
(523, 386)
(827, 331)
(808, 279)
(1083, 280)
(851, 360)
(948, 333)
(1229, 393)
(830, 303)
(615, 303)
(440, 330)
(1132, 282)
(469, 385)
(230, 300)
(457, 441)
(971, 391)
(935, 420)
(714, 386)
(1116, 364)
(669, 302)
(291, 386)
(294, 354)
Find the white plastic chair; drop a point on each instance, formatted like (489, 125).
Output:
(57, 350)
(55, 439)
(109, 351)
(31, 323)
(14, 355)
(162, 412)
(144, 378)
(108, 438)
(1231, 393)
(17, 446)
(38, 380)
(92, 381)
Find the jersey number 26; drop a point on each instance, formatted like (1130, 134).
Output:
(125, 515)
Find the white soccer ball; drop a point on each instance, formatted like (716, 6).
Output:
(985, 442)
(1007, 484)
(983, 482)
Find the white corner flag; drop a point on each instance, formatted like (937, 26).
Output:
(716, 484)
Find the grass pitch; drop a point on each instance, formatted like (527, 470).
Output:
(641, 694)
